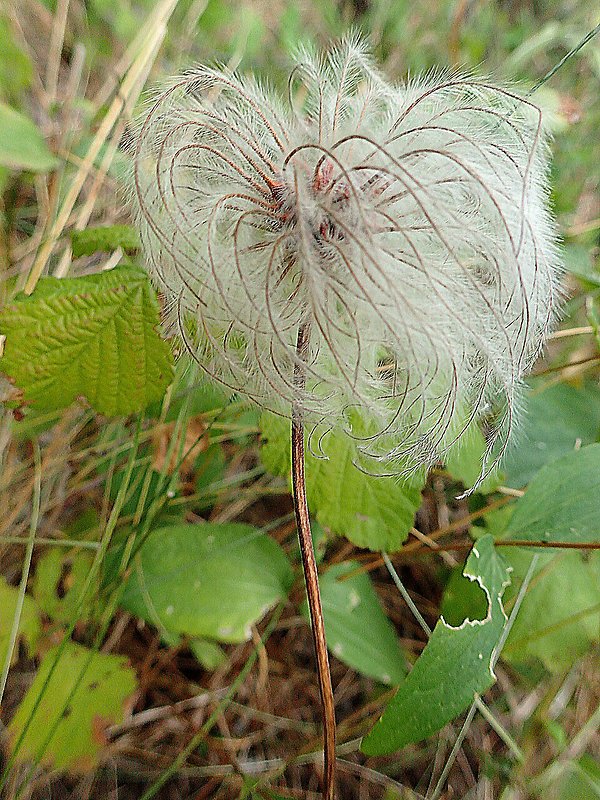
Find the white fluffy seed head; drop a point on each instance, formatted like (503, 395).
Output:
(406, 226)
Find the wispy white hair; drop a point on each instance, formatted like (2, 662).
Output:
(405, 227)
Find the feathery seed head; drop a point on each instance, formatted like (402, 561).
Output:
(405, 227)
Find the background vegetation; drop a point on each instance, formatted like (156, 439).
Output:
(153, 638)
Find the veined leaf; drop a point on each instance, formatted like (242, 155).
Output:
(94, 336)
(455, 665)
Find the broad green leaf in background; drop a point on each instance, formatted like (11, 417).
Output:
(373, 512)
(104, 240)
(358, 632)
(22, 146)
(94, 336)
(29, 623)
(562, 502)
(554, 422)
(560, 616)
(105, 684)
(207, 580)
(455, 665)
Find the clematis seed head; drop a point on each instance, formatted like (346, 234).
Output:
(404, 227)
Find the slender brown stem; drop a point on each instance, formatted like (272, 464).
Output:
(311, 578)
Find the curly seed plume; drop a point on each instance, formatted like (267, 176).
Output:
(405, 226)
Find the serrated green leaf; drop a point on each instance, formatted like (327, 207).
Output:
(208, 581)
(358, 632)
(455, 665)
(30, 626)
(104, 240)
(554, 422)
(104, 684)
(559, 618)
(22, 146)
(94, 336)
(373, 512)
(562, 502)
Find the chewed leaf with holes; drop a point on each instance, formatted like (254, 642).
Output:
(94, 336)
(373, 512)
(455, 665)
(208, 580)
(87, 692)
(358, 632)
(30, 625)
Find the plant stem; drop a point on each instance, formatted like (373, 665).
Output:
(311, 577)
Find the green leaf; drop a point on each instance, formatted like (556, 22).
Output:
(104, 239)
(94, 336)
(373, 512)
(102, 685)
(209, 468)
(59, 577)
(554, 422)
(558, 619)
(207, 580)
(16, 69)
(562, 502)
(579, 261)
(580, 779)
(22, 146)
(455, 665)
(30, 626)
(358, 632)
(208, 653)
(462, 598)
